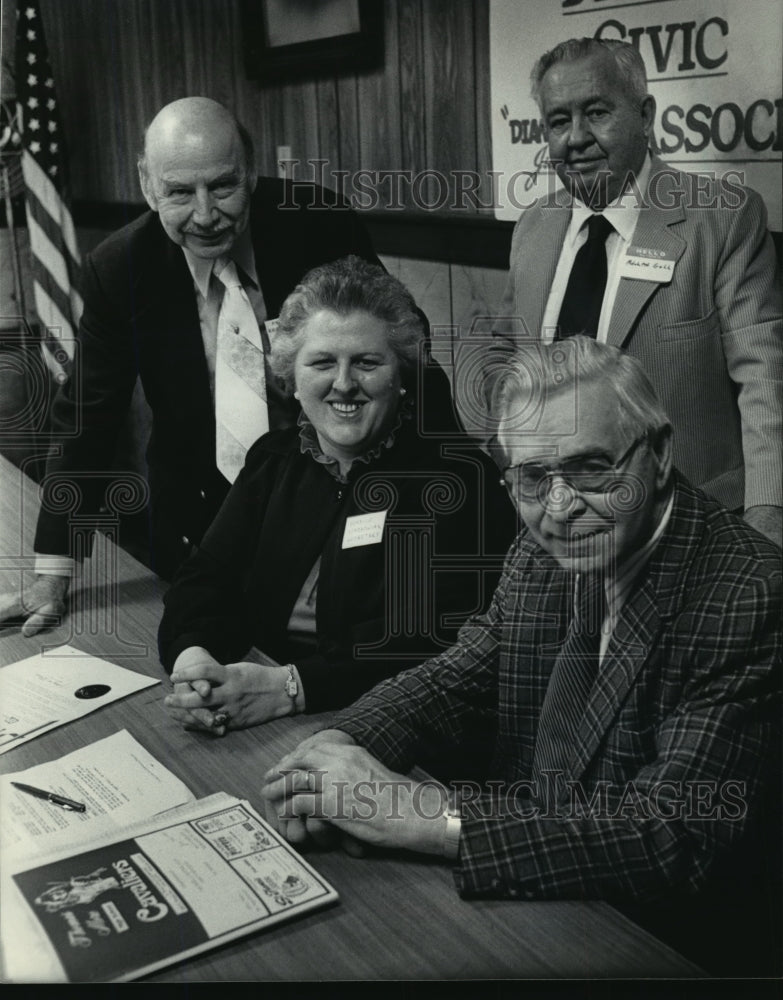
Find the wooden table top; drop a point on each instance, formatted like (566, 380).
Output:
(399, 917)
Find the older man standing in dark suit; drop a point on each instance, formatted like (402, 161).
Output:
(219, 249)
(677, 269)
(629, 660)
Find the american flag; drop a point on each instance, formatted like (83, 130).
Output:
(55, 254)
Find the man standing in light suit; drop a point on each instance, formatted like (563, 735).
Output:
(687, 282)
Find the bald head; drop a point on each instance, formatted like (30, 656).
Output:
(197, 172)
(188, 121)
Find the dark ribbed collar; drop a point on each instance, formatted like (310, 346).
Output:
(308, 443)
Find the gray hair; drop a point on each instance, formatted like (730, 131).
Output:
(629, 63)
(346, 286)
(538, 370)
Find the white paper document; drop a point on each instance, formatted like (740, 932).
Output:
(118, 781)
(55, 687)
(187, 882)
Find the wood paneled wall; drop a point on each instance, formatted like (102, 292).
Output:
(117, 61)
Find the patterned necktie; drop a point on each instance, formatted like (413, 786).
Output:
(240, 383)
(584, 294)
(572, 678)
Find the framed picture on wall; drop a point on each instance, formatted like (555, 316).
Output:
(286, 39)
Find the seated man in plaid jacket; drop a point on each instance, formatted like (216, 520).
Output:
(628, 665)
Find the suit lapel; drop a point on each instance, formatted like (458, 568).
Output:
(180, 306)
(538, 262)
(652, 232)
(181, 347)
(635, 635)
(542, 609)
(656, 598)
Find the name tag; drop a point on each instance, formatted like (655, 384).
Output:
(364, 529)
(647, 264)
(271, 329)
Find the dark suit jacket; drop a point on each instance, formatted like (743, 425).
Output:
(711, 340)
(140, 318)
(686, 700)
(380, 607)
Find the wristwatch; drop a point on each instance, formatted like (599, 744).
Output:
(291, 686)
(453, 828)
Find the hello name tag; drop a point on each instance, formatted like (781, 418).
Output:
(364, 529)
(647, 264)
(271, 329)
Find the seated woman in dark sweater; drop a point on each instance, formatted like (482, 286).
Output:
(350, 547)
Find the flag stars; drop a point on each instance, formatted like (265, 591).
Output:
(34, 125)
(51, 104)
(48, 82)
(53, 147)
(32, 79)
(31, 36)
(32, 58)
(35, 147)
(52, 126)
(30, 13)
(32, 102)
(53, 169)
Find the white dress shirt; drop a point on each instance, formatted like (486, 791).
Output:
(623, 215)
(209, 294)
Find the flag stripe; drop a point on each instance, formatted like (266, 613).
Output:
(48, 254)
(49, 197)
(62, 298)
(40, 221)
(44, 166)
(53, 232)
(57, 326)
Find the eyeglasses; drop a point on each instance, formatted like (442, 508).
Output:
(585, 474)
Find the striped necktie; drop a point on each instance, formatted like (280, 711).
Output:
(240, 382)
(571, 681)
(584, 294)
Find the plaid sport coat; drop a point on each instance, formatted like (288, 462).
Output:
(669, 763)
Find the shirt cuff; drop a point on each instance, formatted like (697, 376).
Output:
(52, 565)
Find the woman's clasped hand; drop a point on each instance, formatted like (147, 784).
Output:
(215, 697)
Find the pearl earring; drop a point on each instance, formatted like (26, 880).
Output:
(403, 391)
(296, 395)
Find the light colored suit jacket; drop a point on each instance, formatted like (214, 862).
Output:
(711, 340)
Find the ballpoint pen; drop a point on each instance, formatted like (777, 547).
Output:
(53, 797)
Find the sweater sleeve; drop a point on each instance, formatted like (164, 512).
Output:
(86, 416)
(204, 606)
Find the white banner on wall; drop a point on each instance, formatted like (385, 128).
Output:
(714, 68)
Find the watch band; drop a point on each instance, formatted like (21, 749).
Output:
(291, 686)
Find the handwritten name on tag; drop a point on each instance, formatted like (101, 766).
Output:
(364, 529)
(647, 264)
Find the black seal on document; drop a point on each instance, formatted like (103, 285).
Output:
(93, 690)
